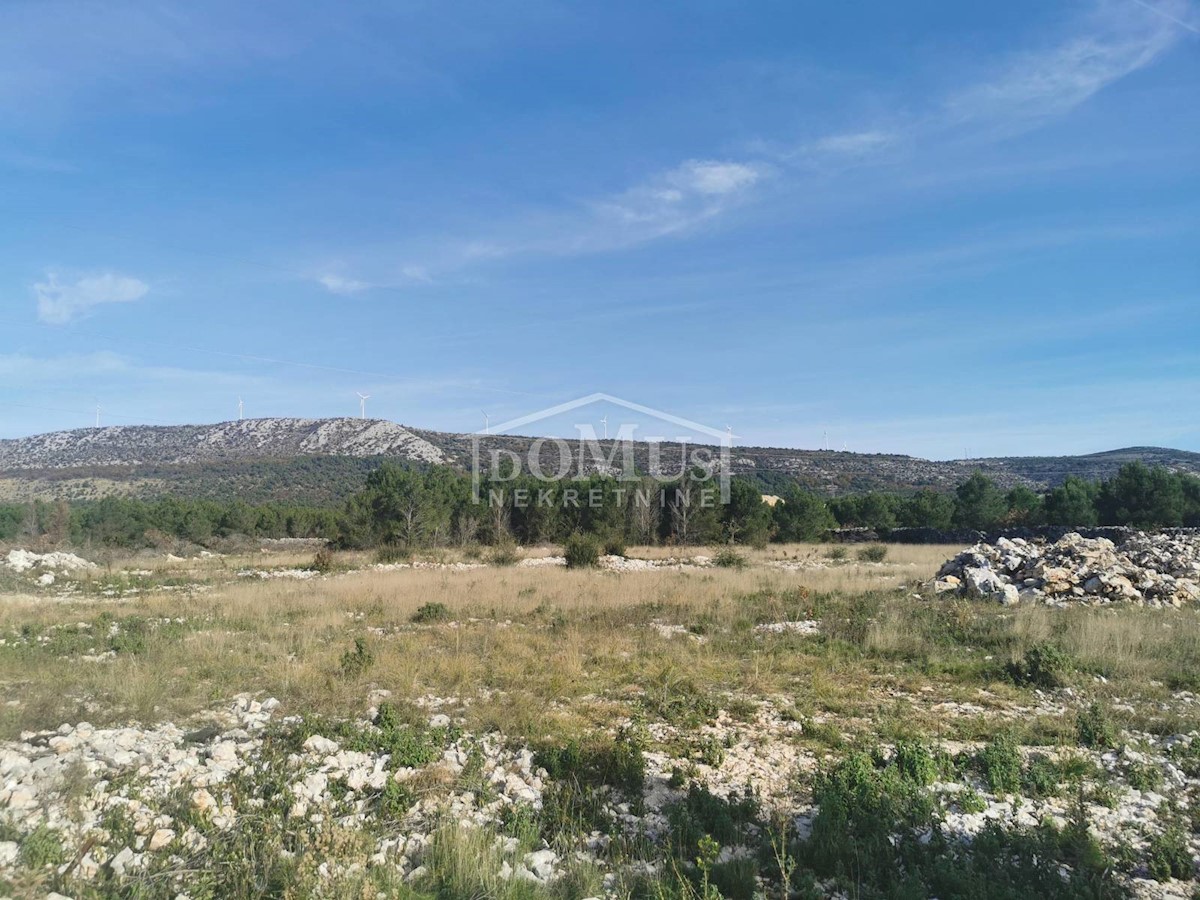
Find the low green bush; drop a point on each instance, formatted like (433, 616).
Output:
(1043, 665)
(1168, 855)
(431, 612)
(728, 558)
(42, 847)
(875, 553)
(1095, 729)
(392, 553)
(582, 551)
(1000, 763)
(504, 553)
(357, 660)
(618, 762)
(322, 560)
(1144, 776)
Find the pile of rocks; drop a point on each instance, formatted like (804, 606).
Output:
(1147, 569)
(24, 560)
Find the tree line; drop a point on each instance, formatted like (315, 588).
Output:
(1138, 495)
(132, 523)
(402, 506)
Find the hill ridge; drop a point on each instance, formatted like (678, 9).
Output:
(232, 458)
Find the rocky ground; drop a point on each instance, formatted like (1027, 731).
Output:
(717, 732)
(1147, 569)
(130, 806)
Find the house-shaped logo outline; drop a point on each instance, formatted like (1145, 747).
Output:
(724, 439)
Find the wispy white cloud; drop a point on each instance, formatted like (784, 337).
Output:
(406, 276)
(1114, 41)
(672, 201)
(856, 143)
(59, 302)
(1182, 23)
(338, 284)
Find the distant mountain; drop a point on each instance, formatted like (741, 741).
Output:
(136, 445)
(325, 460)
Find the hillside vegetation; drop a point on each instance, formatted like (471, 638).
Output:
(401, 508)
(276, 460)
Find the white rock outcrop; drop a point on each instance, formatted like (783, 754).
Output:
(1147, 569)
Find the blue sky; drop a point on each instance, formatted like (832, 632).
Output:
(926, 227)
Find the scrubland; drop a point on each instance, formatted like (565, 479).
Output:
(788, 723)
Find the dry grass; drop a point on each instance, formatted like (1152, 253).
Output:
(533, 651)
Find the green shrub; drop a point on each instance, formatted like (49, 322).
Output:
(395, 800)
(736, 879)
(1000, 763)
(702, 813)
(875, 553)
(322, 561)
(130, 637)
(392, 553)
(357, 660)
(916, 762)
(872, 834)
(406, 745)
(582, 551)
(435, 611)
(1041, 778)
(837, 554)
(614, 545)
(42, 847)
(1187, 757)
(728, 558)
(711, 752)
(826, 733)
(1044, 666)
(504, 553)
(1144, 776)
(1095, 728)
(971, 801)
(1168, 855)
(619, 763)
(862, 810)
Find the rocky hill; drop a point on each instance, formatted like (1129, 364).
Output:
(138, 445)
(323, 460)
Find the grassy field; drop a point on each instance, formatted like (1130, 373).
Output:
(768, 756)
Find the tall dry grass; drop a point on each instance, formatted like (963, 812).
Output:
(538, 650)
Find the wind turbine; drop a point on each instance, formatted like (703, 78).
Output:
(362, 404)
(487, 423)
(729, 431)
(240, 409)
(97, 413)
(604, 422)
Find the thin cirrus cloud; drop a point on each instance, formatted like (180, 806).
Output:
(346, 286)
(60, 302)
(671, 202)
(692, 191)
(338, 284)
(1116, 40)
(1019, 91)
